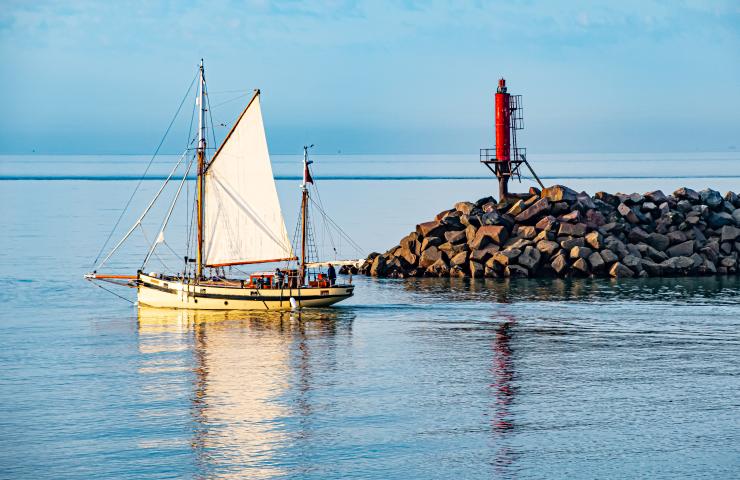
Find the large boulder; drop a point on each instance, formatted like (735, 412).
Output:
(736, 217)
(429, 256)
(575, 230)
(547, 247)
(559, 264)
(438, 269)
(572, 217)
(637, 234)
(656, 255)
(584, 202)
(652, 268)
(378, 266)
(707, 268)
(452, 222)
(483, 254)
(729, 233)
(676, 237)
(526, 232)
(656, 196)
(658, 241)
(619, 270)
(456, 236)
(459, 259)
(596, 262)
(505, 257)
(711, 198)
(628, 213)
(465, 207)
(595, 218)
(732, 198)
(530, 258)
(633, 262)
(580, 266)
(677, 266)
(607, 198)
(549, 223)
(430, 229)
(684, 193)
(569, 242)
(489, 234)
(429, 242)
(443, 214)
(543, 235)
(519, 243)
(477, 269)
(608, 256)
(718, 220)
(409, 241)
(535, 211)
(407, 255)
(580, 252)
(559, 193)
(492, 218)
(517, 208)
(684, 249)
(617, 246)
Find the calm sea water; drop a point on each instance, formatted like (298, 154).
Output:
(421, 378)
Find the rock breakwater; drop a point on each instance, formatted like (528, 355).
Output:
(559, 232)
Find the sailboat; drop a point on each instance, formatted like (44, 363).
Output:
(239, 222)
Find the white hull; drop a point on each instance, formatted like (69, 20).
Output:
(161, 293)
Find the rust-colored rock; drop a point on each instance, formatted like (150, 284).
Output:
(429, 256)
(516, 209)
(581, 266)
(546, 223)
(489, 233)
(456, 236)
(430, 229)
(573, 229)
(559, 193)
(619, 270)
(504, 257)
(538, 208)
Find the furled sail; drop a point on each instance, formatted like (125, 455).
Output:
(243, 220)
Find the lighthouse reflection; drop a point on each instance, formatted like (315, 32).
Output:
(252, 374)
(504, 392)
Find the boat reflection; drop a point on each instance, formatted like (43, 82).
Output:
(251, 375)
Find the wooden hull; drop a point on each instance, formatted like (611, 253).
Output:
(154, 292)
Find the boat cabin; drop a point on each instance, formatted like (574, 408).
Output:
(269, 280)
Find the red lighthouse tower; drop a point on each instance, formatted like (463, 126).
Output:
(506, 159)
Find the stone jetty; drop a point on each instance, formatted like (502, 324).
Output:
(559, 232)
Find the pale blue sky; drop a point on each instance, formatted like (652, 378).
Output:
(619, 76)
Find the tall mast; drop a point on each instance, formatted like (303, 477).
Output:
(304, 212)
(201, 168)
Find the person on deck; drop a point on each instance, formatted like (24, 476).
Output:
(278, 278)
(332, 274)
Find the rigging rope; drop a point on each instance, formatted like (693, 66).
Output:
(339, 229)
(146, 210)
(169, 214)
(113, 293)
(136, 189)
(230, 100)
(146, 238)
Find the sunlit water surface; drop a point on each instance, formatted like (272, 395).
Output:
(420, 379)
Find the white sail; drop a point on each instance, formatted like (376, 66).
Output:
(243, 220)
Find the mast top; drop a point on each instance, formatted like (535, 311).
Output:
(306, 172)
